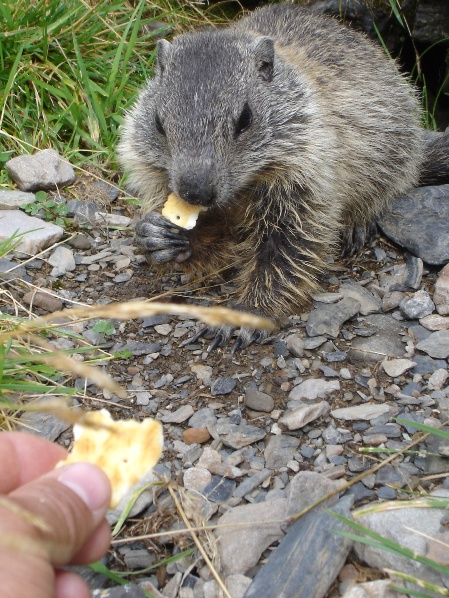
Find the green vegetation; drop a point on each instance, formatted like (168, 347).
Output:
(69, 70)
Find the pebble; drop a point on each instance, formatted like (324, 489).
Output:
(328, 319)
(223, 386)
(437, 379)
(258, 401)
(42, 424)
(419, 305)
(43, 170)
(295, 344)
(62, 260)
(196, 478)
(13, 200)
(242, 435)
(435, 322)
(441, 295)
(195, 435)
(436, 345)
(385, 342)
(301, 415)
(179, 416)
(203, 373)
(397, 367)
(367, 411)
(279, 450)
(35, 234)
(46, 301)
(314, 388)
(369, 304)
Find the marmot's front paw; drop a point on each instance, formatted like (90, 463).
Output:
(162, 241)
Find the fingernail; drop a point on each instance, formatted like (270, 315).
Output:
(89, 483)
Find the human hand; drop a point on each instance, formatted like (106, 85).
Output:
(48, 518)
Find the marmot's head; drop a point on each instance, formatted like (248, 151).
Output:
(211, 116)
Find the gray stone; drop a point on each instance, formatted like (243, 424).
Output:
(257, 400)
(328, 319)
(436, 345)
(397, 367)
(241, 538)
(302, 415)
(62, 260)
(17, 271)
(139, 558)
(179, 416)
(36, 234)
(309, 557)
(366, 411)
(42, 424)
(313, 343)
(415, 268)
(44, 170)
(441, 295)
(137, 347)
(426, 365)
(435, 322)
(280, 450)
(202, 418)
(196, 478)
(82, 211)
(416, 528)
(241, 436)
(384, 343)
(295, 344)
(333, 435)
(202, 372)
(306, 488)
(219, 489)
(237, 585)
(251, 483)
(419, 221)
(418, 306)
(131, 590)
(314, 388)
(11, 200)
(372, 589)
(369, 304)
(223, 386)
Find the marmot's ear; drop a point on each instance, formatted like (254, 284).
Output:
(263, 49)
(164, 49)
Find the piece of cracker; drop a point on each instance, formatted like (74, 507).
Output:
(181, 213)
(125, 450)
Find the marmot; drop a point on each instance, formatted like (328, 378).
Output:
(293, 130)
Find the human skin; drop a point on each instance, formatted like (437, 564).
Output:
(49, 518)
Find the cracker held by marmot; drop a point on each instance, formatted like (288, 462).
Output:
(293, 130)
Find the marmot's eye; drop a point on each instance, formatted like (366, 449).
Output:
(159, 126)
(244, 121)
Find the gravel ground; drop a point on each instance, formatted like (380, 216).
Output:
(242, 429)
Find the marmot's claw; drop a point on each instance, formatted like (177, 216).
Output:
(221, 336)
(162, 241)
(353, 239)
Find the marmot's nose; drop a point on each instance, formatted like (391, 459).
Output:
(197, 189)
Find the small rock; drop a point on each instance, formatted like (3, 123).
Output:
(314, 388)
(295, 344)
(441, 295)
(418, 306)
(327, 320)
(437, 379)
(195, 435)
(42, 424)
(302, 415)
(240, 546)
(397, 367)
(436, 345)
(43, 170)
(223, 386)
(435, 322)
(219, 489)
(372, 589)
(202, 372)
(280, 450)
(241, 436)
(12, 200)
(258, 401)
(80, 241)
(178, 416)
(385, 342)
(196, 478)
(44, 300)
(367, 411)
(35, 234)
(62, 260)
(202, 418)
(369, 304)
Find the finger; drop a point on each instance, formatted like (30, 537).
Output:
(25, 457)
(95, 547)
(68, 504)
(70, 585)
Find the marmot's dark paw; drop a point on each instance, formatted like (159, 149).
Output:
(354, 238)
(221, 336)
(162, 241)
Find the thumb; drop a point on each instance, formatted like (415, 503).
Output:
(66, 507)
